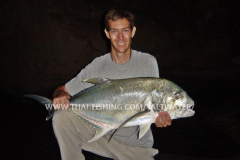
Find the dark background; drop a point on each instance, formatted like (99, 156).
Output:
(45, 43)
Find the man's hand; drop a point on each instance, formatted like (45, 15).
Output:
(61, 98)
(163, 119)
(61, 103)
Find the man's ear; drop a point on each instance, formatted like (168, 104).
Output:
(133, 31)
(107, 33)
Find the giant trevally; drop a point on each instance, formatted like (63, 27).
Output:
(111, 104)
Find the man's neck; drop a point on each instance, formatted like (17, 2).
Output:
(121, 58)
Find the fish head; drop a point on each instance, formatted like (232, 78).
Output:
(176, 101)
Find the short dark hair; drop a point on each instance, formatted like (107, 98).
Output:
(116, 14)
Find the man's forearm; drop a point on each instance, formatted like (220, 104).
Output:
(61, 92)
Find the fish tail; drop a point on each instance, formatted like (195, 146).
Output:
(44, 101)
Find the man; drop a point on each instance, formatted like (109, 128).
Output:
(72, 133)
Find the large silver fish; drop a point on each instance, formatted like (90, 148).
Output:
(111, 104)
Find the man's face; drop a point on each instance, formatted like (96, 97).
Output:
(120, 35)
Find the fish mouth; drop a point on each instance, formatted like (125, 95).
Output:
(186, 112)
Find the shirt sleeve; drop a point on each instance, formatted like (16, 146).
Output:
(155, 69)
(76, 84)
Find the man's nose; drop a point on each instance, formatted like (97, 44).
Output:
(120, 35)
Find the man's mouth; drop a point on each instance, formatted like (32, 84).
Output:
(121, 43)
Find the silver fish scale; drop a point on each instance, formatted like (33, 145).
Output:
(118, 93)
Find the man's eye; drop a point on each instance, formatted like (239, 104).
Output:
(113, 32)
(126, 30)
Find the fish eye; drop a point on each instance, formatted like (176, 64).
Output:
(178, 95)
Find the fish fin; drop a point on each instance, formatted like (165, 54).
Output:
(100, 131)
(143, 129)
(97, 81)
(44, 101)
(129, 119)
